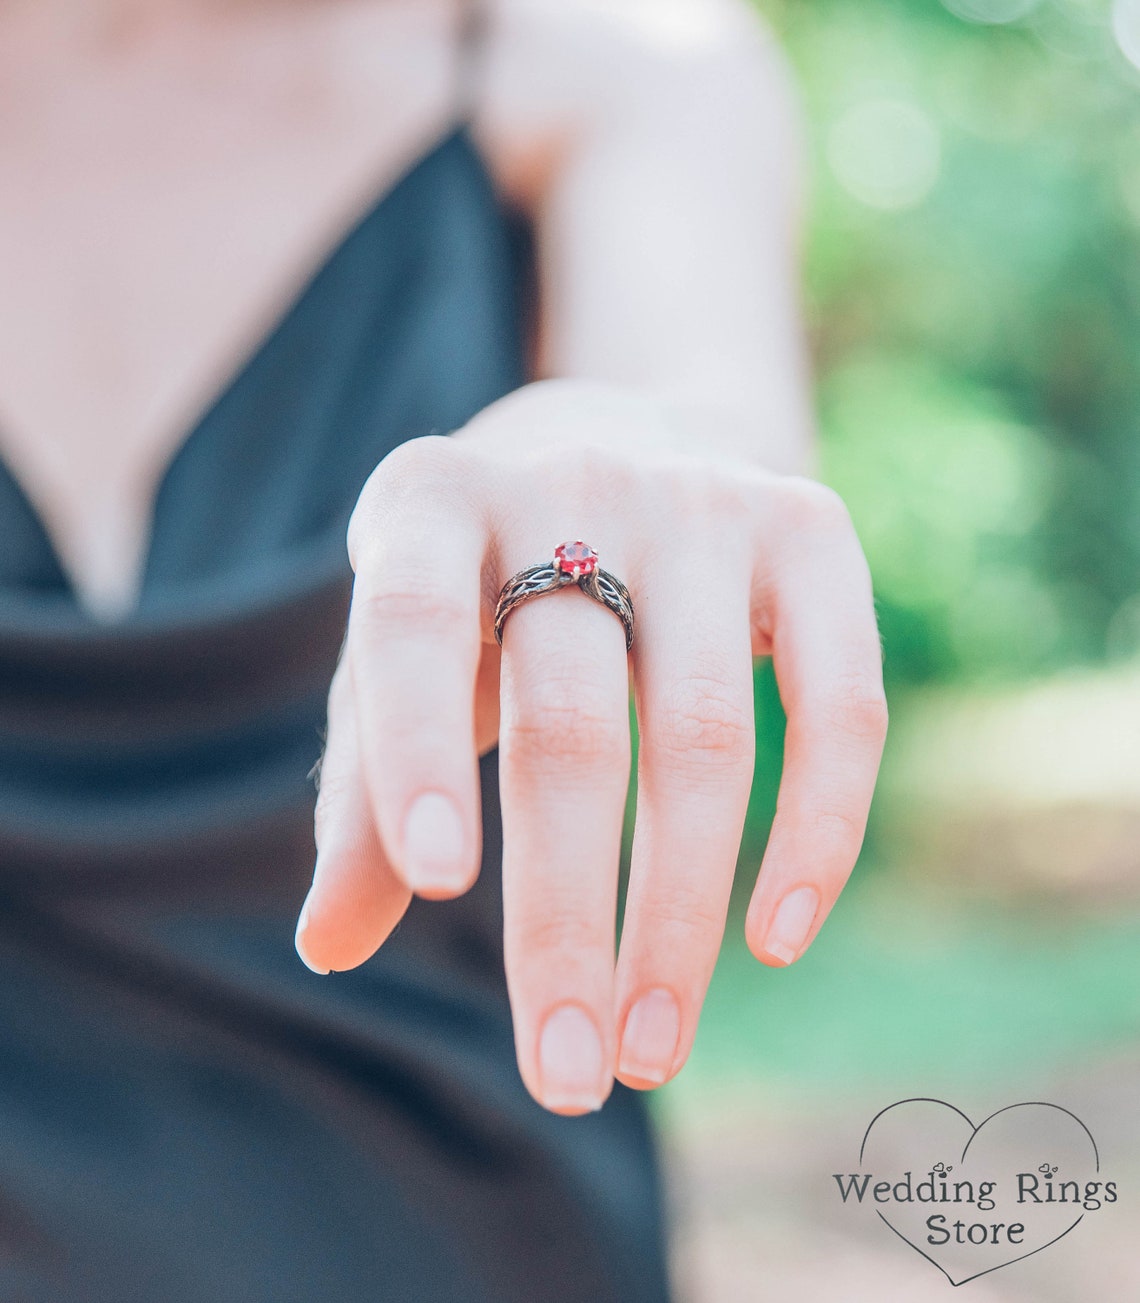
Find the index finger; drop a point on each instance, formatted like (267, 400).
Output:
(415, 640)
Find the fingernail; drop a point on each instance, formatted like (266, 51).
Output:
(433, 844)
(650, 1041)
(791, 924)
(298, 941)
(570, 1061)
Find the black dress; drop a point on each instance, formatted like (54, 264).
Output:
(187, 1114)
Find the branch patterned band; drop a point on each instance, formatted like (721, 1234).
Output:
(574, 563)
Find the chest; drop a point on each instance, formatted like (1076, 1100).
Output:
(162, 198)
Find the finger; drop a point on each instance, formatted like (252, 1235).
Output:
(355, 900)
(415, 640)
(564, 755)
(693, 671)
(828, 663)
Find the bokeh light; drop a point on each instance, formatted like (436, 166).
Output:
(1126, 29)
(886, 153)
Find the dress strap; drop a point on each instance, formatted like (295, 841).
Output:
(471, 38)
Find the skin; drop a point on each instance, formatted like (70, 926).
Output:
(654, 145)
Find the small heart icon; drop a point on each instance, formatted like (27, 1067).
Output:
(971, 1199)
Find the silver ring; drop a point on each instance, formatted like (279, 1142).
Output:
(573, 563)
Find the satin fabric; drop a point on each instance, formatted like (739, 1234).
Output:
(187, 1114)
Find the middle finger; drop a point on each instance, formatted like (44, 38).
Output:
(693, 664)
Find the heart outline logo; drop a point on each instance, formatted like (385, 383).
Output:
(975, 1130)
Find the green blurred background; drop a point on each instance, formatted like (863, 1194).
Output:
(973, 293)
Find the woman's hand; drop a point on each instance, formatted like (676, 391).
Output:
(725, 561)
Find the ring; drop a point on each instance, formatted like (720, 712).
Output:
(574, 563)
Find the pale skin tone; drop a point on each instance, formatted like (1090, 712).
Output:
(174, 168)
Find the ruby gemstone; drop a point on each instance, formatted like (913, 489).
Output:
(576, 558)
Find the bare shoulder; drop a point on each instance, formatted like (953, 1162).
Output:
(637, 27)
(558, 69)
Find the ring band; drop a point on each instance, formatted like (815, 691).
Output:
(574, 563)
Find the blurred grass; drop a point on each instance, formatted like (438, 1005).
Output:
(912, 991)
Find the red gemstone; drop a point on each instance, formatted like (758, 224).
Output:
(576, 558)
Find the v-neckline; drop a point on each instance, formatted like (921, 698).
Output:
(320, 269)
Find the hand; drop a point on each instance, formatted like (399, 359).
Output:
(725, 561)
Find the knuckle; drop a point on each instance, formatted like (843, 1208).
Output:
(805, 504)
(598, 475)
(709, 491)
(406, 477)
(560, 931)
(851, 709)
(567, 738)
(858, 708)
(404, 606)
(684, 909)
(838, 833)
(701, 720)
(566, 728)
(868, 716)
(603, 467)
(417, 460)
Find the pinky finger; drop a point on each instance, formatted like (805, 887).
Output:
(828, 662)
(356, 899)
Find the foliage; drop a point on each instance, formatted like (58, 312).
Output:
(974, 298)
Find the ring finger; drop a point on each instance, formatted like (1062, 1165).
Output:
(564, 765)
